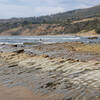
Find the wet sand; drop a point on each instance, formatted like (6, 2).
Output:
(22, 93)
(63, 71)
(16, 93)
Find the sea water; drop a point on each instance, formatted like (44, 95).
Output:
(45, 39)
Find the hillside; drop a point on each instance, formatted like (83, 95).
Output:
(63, 23)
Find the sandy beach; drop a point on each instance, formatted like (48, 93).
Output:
(61, 71)
(16, 93)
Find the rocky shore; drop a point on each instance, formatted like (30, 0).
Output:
(61, 71)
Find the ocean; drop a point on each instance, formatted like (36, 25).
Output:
(45, 39)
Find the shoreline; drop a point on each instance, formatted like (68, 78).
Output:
(48, 40)
(87, 34)
(46, 71)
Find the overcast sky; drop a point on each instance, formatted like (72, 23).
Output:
(29, 8)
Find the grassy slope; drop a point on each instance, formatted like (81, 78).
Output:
(76, 21)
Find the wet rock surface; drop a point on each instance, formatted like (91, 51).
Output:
(49, 75)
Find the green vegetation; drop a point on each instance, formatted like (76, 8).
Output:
(98, 30)
(61, 23)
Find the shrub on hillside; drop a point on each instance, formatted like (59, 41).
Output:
(98, 30)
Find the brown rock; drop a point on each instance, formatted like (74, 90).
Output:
(45, 56)
(20, 51)
(92, 38)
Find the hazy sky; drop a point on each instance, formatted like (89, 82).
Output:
(29, 8)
